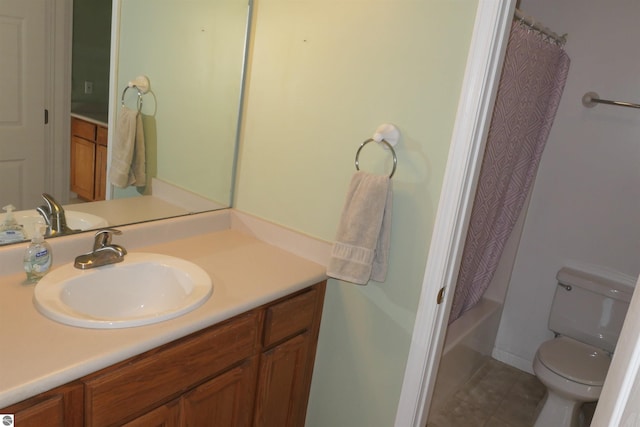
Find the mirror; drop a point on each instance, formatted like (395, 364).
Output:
(193, 53)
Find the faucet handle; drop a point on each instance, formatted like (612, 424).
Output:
(103, 237)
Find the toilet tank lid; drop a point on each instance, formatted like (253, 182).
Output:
(613, 285)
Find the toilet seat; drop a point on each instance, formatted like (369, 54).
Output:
(575, 361)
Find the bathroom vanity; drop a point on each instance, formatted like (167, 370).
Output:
(245, 357)
(88, 157)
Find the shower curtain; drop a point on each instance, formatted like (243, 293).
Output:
(533, 77)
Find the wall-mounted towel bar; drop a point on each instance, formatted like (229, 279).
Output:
(388, 135)
(141, 85)
(590, 99)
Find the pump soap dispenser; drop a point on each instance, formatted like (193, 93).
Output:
(10, 230)
(38, 256)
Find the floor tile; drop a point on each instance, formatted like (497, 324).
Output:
(498, 395)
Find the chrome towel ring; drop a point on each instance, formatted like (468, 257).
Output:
(139, 103)
(387, 134)
(141, 85)
(384, 141)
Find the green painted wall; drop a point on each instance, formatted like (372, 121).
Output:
(323, 75)
(91, 51)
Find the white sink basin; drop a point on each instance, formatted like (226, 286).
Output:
(75, 220)
(145, 288)
(84, 221)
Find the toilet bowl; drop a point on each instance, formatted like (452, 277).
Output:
(573, 373)
(587, 314)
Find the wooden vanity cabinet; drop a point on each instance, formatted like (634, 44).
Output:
(254, 369)
(88, 159)
(286, 363)
(121, 393)
(60, 407)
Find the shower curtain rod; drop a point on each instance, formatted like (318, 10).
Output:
(590, 99)
(531, 23)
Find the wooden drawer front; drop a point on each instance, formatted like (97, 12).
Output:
(101, 135)
(60, 407)
(117, 394)
(289, 317)
(83, 129)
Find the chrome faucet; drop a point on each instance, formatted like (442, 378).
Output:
(54, 216)
(104, 252)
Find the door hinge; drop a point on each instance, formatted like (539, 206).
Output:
(440, 296)
(46, 116)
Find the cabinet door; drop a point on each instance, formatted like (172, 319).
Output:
(282, 394)
(164, 416)
(61, 407)
(100, 185)
(132, 387)
(83, 158)
(226, 400)
(83, 129)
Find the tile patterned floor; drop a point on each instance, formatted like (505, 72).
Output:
(498, 395)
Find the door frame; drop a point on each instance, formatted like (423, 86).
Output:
(621, 391)
(58, 99)
(484, 63)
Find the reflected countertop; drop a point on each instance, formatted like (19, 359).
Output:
(94, 113)
(129, 210)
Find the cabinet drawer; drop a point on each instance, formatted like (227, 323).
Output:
(133, 387)
(61, 406)
(101, 135)
(285, 319)
(83, 129)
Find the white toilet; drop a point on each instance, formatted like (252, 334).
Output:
(586, 315)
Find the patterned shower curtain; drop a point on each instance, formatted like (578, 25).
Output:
(533, 77)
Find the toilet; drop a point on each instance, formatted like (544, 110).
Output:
(586, 316)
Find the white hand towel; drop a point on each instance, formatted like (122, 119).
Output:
(128, 155)
(138, 173)
(361, 250)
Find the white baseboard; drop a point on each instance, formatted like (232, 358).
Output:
(185, 199)
(304, 246)
(513, 360)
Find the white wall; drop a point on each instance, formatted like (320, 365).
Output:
(586, 199)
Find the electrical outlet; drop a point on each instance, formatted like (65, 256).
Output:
(88, 88)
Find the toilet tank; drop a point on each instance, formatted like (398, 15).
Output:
(590, 308)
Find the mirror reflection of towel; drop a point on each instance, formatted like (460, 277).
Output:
(128, 153)
(361, 250)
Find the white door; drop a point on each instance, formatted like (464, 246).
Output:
(22, 102)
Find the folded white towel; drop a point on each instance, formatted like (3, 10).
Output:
(361, 250)
(128, 155)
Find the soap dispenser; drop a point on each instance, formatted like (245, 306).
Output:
(38, 256)
(10, 230)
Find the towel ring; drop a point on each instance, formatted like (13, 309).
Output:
(139, 96)
(384, 141)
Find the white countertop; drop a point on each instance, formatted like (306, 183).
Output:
(100, 118)
(39, 354)
(129, 210)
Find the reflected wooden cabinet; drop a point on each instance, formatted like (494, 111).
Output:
(88, 159)
(252, 370)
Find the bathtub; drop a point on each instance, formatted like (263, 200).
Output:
(468, 344)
